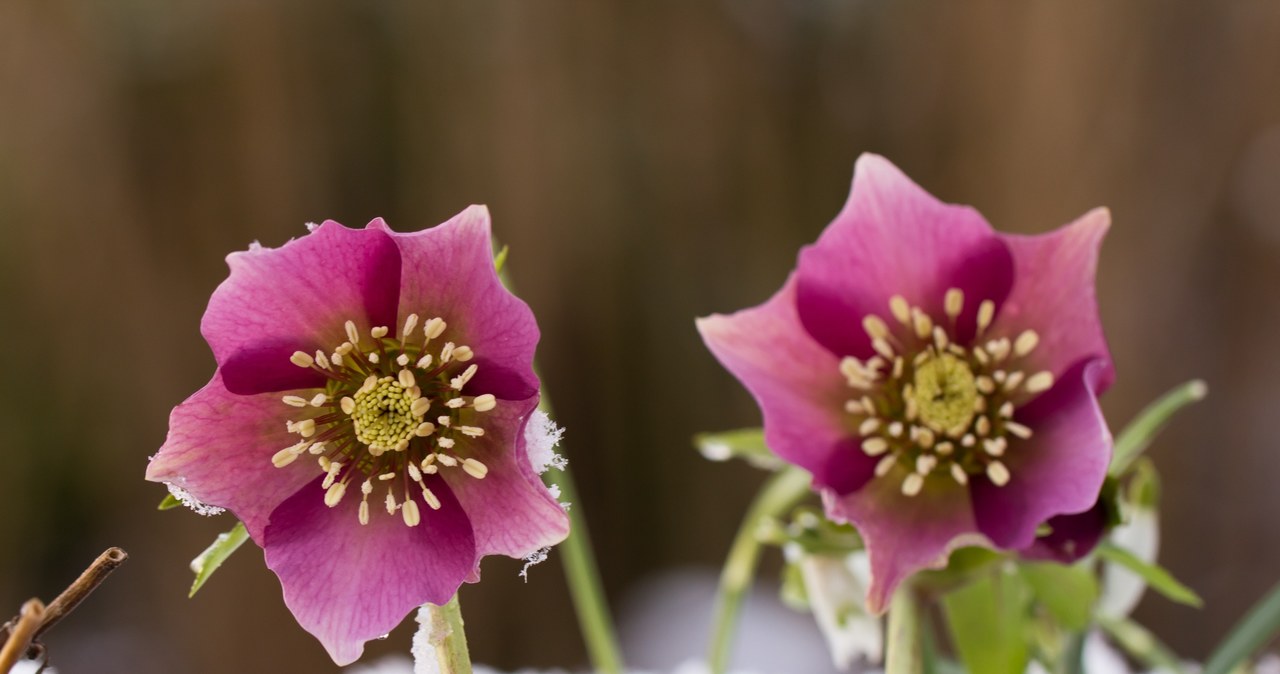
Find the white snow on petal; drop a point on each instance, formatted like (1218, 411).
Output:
(311, 227)
(537, 557)
(541, 436)
(424, 650)
(192, 502)
(255, 246)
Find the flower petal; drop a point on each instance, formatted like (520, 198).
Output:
(894, 238)
(448, 272)
(1071, 537)
(297, 298)
(511, 510)
(797, 384)
(905, 534)
(1059, 470)
(219, 449)
(1054, 294)
(347, 583)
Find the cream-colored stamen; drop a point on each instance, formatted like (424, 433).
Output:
(461, 380)
(998, 473)
(434, 328)
(1039, 382)
(353, 335)
(484, 403)
(986, 312)
(875, 446)
(1025, 343)
(900, 308)
(378, 332)
(868, 426)
(334, 493)
(885, 464)
(432, 500)
(875, 327)
(958, 474)
(410, 322)
(953, 303)
(474, 468)
(302, 359)
(295, 401)
(1017, 429)
(912, 484)
(409, 511)
(463, 353)
(923, 324)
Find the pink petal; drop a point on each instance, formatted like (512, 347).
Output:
(1054, 295)
(219, 448)
(894, 238)
(905, 534)
(511, 510)
(448, 272)
(1071, 537)
(1059, 470)
(797, 384)
(297, 297)
(347, 583)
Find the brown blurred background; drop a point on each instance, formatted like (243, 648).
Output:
(647, 162)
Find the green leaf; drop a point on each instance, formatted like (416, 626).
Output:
(1137, 436)
(793, 592)
(217, 553)
(746, 443)
(1066, 592)
(500, 260)
(169, 502)
(1156, 577)
(1141, 644)
(988, 624)
(1255, 629)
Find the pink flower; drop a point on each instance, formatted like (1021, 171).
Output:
(366, 421)
(938, 379)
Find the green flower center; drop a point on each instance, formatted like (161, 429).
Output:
(945, 392)
(382, 416)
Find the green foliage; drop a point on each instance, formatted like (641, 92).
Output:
(745, 443)
(1137, 436)
(1138, 642)
(1068, 593)
(169, 502)
(1259, 626)
(217, 553)
(988, 623)
(1156, 577)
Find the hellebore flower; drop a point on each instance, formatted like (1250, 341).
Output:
(366, 421)
(938, 379)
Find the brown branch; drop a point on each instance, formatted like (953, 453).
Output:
(21, 633)
(36, 618)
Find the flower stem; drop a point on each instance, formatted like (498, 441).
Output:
(583, 576)
(781, 492)
(903, 645)
(450, 639)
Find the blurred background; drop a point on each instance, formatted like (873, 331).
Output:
(647, 162)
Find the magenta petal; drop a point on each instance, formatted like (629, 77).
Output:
(219, 449)
(297, 297)
(1071, 537)
(797, 384)
(448, 272)
(1058, 471)
(347, 583)
(905, 534)
(511, 510)
(1054, 295)
(894, 238)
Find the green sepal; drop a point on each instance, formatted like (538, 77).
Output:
(1156, 577)
(1067, 593)
(745, 443)
(812, 532)
(988, 623)
(1143, 490)
(169, 502)
(500, 260)
(793, 592)
(217, 553)
(1137, 436)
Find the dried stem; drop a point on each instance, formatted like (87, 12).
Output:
(22, 633)
(36, 618)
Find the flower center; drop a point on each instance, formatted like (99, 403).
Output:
(930, 406)
(945, 391)
(369, 423)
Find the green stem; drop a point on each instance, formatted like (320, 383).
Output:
(583, 576)
(785, 489)
(1253, 630)
(449, 638)
(903, 643)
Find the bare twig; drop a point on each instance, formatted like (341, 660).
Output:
(22, 633)
(36, 618)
